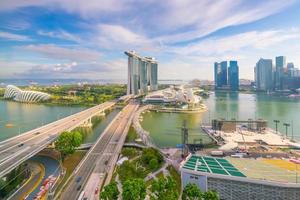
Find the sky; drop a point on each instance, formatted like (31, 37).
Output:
(86, 39)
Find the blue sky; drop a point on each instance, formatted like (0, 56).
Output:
(87, 38)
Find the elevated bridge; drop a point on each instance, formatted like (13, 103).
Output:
(18, 149)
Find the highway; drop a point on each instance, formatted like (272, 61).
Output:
(16, 150)
(101, 158)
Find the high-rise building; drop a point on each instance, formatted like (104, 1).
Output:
(280, 64)
(227, 77)
(220, 74)
(263, 75)
(233, 75)
(290, 65)
(142, 74)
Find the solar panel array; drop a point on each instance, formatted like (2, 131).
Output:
(212, 165)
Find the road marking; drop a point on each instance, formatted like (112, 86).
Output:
(42, 174)
(14, 155)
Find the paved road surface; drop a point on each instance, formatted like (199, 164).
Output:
(20, 148)
(35, 178)
(100, 160)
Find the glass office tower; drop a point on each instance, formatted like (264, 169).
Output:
(263, 75)
(233, 75)
(220, 74)
(280, 62)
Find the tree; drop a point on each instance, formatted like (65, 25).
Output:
(110, 192)
(134, 189)
(153, 164)
(130, 170)
(149, 154)
(67, 141)
(191, 192)
(76, 138)
(211, 195)
(164, 189)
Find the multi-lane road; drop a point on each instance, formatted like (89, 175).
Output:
(97, 166)
(16, 150)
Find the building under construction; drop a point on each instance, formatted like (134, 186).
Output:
(231, 125)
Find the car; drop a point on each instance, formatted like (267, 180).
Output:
(37, 133)
(20, 145)
(96, 190)
(78, 179)
(78, 188)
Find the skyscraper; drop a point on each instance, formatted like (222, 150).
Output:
(263, 75)
(280, 63)
(233, 75)
(142, 74)
(220, 74)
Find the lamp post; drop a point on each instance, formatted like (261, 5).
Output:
(276, 121)
(286, 128)
(292, 130)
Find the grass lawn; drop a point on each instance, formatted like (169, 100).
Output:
(149, 182)
(131, 136)
(160, 175)
(130, 152)
(176, 176)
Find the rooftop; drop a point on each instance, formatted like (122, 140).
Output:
(212, 165)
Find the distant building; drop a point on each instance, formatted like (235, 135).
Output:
(142, 74)
(263, 75)
(290, 65)
(284, 77)
(233, 76)
(226, 77)
(15, 93)
(280, 64)
(220, 74)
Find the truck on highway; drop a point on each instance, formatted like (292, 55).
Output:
(81, 196)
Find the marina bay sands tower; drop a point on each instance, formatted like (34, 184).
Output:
(142, 74)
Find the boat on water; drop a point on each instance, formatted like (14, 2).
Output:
(296, 96)
(9, 125)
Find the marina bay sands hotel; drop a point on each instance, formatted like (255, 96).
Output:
(142, 74)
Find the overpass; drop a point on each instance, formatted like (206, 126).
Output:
(96, 168)
(18, 149)
(129, 144)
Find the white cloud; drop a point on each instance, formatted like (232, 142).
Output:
(61, 34)
(234, 43)
(87, 70)
(199, 18)
(11, 66)
(84, 8)
(15, 37)
(57, 52)
(118, 37)
(196, 60)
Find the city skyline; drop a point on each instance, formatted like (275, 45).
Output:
(52, 39)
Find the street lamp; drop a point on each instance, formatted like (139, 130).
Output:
(276, 121)
(286, 128)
